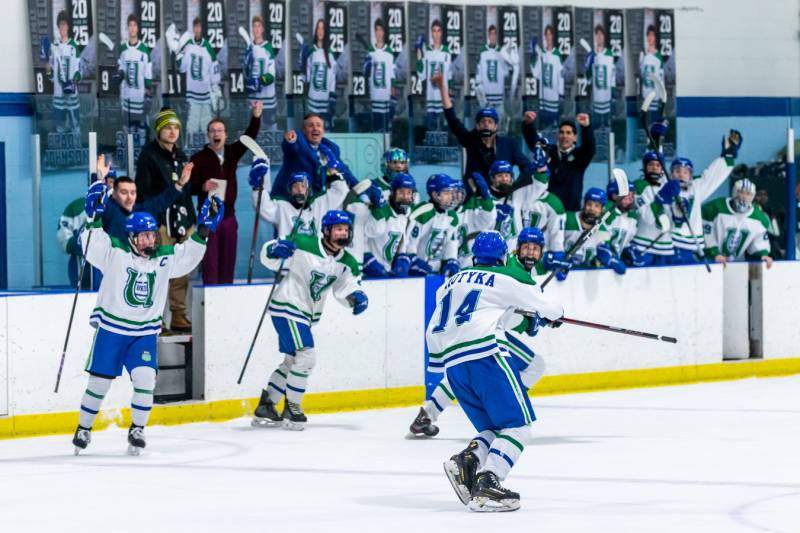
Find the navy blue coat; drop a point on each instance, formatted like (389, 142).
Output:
(299, 156)
(114, 216)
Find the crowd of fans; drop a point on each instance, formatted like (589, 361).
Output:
(664, 218)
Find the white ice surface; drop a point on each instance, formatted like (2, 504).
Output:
(713, 457)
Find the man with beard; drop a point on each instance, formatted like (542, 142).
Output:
(596, 249)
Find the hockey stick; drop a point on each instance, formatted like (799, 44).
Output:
(697, 244)
(244, 35)
(604, 327)
(106, 40)
(259, 153)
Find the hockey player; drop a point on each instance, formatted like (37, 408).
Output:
(546, 212)
(295, 206)
(491, 73)
(622, 224)
(596, 248)
(198, 60)
(433, 59)
(63, 66)
(653, 192)
(379, 69)
(385, 231)
(475, 215)
(431, 241)
(511, 198)
(531, 256)
(489, 389)
(601, 73)
(135, 76)
(393, 162)
(736, 228)
(129, 304)
(259, 72)
(319, 65)
(314, 264)
(651, 66)
(549, 71)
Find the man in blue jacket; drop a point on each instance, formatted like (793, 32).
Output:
(308, 151)
(483, 145)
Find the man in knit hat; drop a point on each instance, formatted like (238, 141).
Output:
(160, 165)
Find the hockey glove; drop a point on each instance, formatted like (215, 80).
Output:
(419, 44)
(281, 249)
(667, 194)
(44, 50)
(731, 144)
(539, 158)
(373, 268)
(258, 170)
(419, 267)
(481, 186)
(367, 69)
(588, 63)
(305, 53)
(607, 258)
(534, 323)
(96, 200)
(635, 256)
(533, 50)
(118, 77)
(557, 261)
(450, 268)
(209, 216)
(375, 195)
(68, 87)
(358, 301)
(402, 262)
(658, 129)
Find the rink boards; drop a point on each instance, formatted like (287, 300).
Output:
(377, 359)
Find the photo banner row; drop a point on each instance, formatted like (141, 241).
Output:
(110, 65)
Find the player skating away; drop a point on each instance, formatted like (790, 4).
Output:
(63, 67)
(319, 66)
(622, 223)
(653, 192)
(315, 266)
(432, 242)
(735, 227)
(385, 231)
(491, 73)
(432, 59)
(531, 256)
(601, 72)
(651, 67)
(198, 60)
(135, 76)
(597, 248)
(379, 69)
(476, 214)
(127, 316)
(548, 69)
(259, 72)
(463, 341)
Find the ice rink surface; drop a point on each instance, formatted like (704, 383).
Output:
(712, 457)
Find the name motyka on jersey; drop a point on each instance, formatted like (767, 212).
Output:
(471, 276)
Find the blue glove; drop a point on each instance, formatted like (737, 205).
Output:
(44, 50)
(118, 77)
(539, 158)
(667, 194)
(281, 249)
(358, 301)
(96, 200)
(450, 268)
(731, 144)
(588, 63)
(367, 66)
(373, 268)
(375, 195)
(635, 255)
(481, 185)
(68, 87)
(402, 262)
(607, 258)
(558, 262)
(258, 170)
(419, 44)
(419, 267)
(305, 53)
(659, 128)
(534, 323)
(532, 50)
(208, 218)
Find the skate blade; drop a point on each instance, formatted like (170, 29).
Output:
(293, 426)
(257, 422)
(134, 450)
(78, 450)
(451, 471)
(417, 436)
(482, 504)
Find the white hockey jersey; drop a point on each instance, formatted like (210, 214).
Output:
(199, 62)
(588, 252)
(134, 288)
(653, 229)
(733, 234)
(651, 65)
(381, 78)
(549, 70)
(384, 235)
(603, 80)
(475, 216)
(309, 273)
(432, 235)
(264, 65)
(491, 73)
(621, 227)
(471, 310)
(137, 75)
(433, 62)
(281, 212)
(547, 213)
(511, 208)
(65, 63)
(321, 80)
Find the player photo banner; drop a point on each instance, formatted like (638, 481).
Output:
(436, 39)
(379, 60)
(600, 64)
(64, 51)
(651, 51)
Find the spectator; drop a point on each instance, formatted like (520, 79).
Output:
(308, 151)
(217, 161)
(568, 161)
(482, 143)
(159, 167)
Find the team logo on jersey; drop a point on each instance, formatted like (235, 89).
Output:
(463, 245)
(139, 288)
(435, 244)
(491, 70)
(505, 221)
(319, 76)
(132, 68)
(436, 67)
(319, 282)
(304, 227)
(600, 77)
(734, 240)
(390, 249)
(379, 75)
(196, 67)
(146, 357)
(547, 75)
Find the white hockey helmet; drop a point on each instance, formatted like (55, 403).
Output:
(742, 195)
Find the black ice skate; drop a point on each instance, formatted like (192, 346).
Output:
(136, 441)
(293, 416)
(265, 414)
(461, 470)
(489, 496)
(81, 439)
(422, 426)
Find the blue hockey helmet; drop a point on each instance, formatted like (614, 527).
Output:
(333, 218)
(298, 177)
(651, 155)
(612, 189)
(439, 183)
(596, 194)
(139, 222)
(500, 167)
(487, 112)
(401, 180)
(394, 160)
(532, 235)
(489, 248)
(682, 162)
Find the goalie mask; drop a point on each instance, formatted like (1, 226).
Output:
(530, 244)
(394, 162)
(142, 230)
(744, 191)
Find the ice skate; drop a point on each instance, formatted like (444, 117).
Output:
(293, 417)
(265, 414)
(136, 441)
(81, 439)
(460, 470)
(489, 496)
(423, 426)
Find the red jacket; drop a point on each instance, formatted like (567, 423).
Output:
(207, 166)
